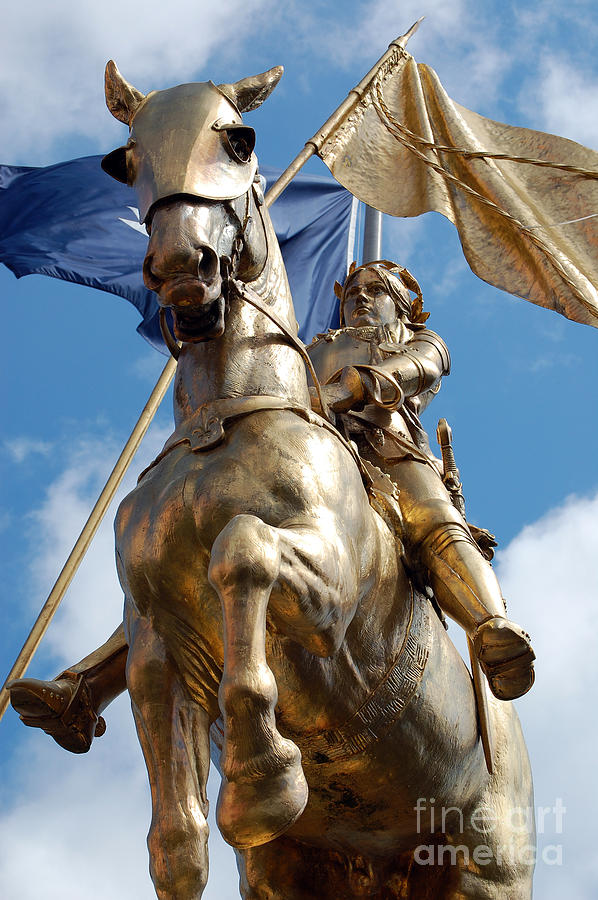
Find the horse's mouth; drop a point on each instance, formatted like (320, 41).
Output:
(197, 308)
(199, 324)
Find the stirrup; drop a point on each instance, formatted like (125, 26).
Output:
(506, 657)
(62, 708)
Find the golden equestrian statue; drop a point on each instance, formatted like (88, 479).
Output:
(286, 560)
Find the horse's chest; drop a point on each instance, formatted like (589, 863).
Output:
(165, 528)
(185, 500)
(157, 524)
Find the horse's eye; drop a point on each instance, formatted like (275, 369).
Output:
(239, 140)
(118, 165)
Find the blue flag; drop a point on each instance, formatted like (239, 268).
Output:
(72, 221)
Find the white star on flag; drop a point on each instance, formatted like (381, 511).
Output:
(134, 224)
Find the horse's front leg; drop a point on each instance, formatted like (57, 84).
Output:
(174, 736)
(263, 787)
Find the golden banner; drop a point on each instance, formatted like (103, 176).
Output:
(525, 202)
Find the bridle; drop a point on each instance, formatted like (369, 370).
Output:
(232, 285)
(227, 267)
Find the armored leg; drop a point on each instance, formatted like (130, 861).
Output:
(438, 542)
(69, 708)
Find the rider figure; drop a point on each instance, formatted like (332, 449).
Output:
(386, 366)
(383, 369)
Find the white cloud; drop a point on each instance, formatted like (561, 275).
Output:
(549, 575)
(20, 448)
(451, 279)
(470, 61)
(402, 237)
(76, 825)
(93, 605)
(148, 366)
(542, 363)
(563, 99)
(73, 817)
(53, 54)
(75, 828)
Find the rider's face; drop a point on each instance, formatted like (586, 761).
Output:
(367, 301)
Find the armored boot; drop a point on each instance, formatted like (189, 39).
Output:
(466, 588)
(69, 708)
(62, 708)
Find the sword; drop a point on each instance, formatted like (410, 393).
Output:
(452, 482)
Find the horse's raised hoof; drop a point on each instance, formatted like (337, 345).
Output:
(506, 657)
(253, 811)
(62, 708)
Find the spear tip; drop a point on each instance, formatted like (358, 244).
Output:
(402, 41)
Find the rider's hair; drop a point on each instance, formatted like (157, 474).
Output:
(395, 279)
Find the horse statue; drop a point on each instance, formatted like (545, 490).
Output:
(268, 611)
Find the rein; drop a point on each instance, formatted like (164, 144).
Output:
(250, 296)
(246, 293)
(226, 265)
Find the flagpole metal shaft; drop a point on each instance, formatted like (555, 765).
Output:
(315, 143)
(289, 173)
(372, 235)
(89, 529)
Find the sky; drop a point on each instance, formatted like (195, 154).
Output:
(520, 398)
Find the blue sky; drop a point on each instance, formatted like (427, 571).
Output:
(520, 399)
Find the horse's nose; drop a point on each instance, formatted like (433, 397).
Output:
(184, 258)
(180, 245)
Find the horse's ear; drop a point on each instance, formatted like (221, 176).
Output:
(122, 99)
(249, 93)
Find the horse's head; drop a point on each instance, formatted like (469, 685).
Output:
(190, 158)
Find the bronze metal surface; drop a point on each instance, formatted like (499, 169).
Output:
(331, 124)
(163, 157)
(276, 593)
(522, 200)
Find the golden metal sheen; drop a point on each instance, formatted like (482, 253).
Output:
(408, 148)
(286, 599)
(164, 162)
(124, 101)
(331, 124)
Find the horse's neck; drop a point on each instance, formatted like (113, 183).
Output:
(252, 356)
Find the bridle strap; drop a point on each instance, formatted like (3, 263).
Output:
(240, 238)
(172, 344)
(246, 293)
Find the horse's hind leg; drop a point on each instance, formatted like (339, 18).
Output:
(263, 787)
(173, 733)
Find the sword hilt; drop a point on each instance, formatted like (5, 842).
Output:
(450, 477)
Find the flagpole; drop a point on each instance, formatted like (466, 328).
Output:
(372, 235)
(89, 529)
(315, 144)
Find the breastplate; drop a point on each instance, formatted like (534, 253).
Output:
(370, 346)
(345, 347)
